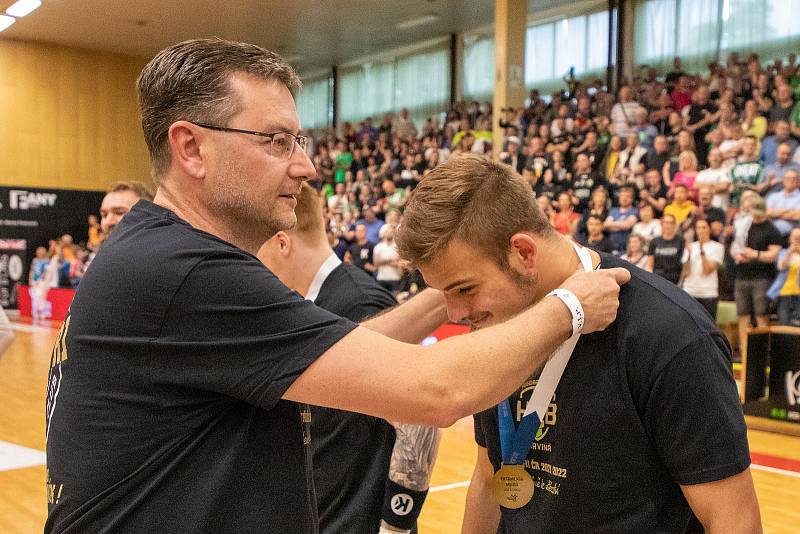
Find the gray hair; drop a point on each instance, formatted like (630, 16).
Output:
(190, 81)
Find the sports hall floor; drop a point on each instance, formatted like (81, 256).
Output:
(23, 374)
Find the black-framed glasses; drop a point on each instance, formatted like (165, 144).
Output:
(281, 144)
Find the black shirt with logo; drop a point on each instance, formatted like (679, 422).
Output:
(667, 255)
(643, 407)
(351, 451)
(361, 255)
(164, 409)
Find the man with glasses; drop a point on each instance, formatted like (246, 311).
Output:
(179, 410)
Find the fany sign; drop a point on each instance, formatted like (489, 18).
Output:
(20, 199)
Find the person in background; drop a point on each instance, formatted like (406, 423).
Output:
(687, 174)
(359, 253)
(783, 207)
(38, 280)
(786, 287)
(681, 206)
(718, 178)
(118, 201)
(565, 220)
(701, 259)
(755, 269)
(621, 220)
(359, 462)
(595, 238)
(636, 251)
(95, 234)
(648, 227)
(387, 262)
(665, 252)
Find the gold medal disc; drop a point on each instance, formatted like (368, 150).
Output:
(512, 487)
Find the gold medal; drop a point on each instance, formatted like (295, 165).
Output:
(512, 486)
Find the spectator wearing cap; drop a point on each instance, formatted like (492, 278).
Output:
(513, 157)
(783, 207)
(755, 270)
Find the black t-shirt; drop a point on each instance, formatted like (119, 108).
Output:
(760, 237)
(643, 407)
(164, 409)
(351, 451)
(657, 193)
(602, 245)
(667, 255)
(582, 186)
(361, 254)
(654, 160)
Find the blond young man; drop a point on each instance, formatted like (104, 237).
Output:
(644, 432)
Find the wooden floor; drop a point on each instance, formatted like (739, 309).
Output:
(23, 374)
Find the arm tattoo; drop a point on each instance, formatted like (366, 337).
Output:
(414, 454)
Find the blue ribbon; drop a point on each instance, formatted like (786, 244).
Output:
(515, 444)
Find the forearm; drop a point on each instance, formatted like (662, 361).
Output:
(413, 456)
(481, 514)
(414, 320)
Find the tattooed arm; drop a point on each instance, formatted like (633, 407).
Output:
(414, 454)
(410, 469)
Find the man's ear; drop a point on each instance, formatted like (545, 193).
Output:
(523, 253)
(284, 243)
(185, 145)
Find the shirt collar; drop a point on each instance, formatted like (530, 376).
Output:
(324, 271)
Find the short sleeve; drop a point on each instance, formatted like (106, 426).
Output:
(716, 253)
(694, 415)
(235, 329)
(651, 248)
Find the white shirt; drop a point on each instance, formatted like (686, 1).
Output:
(697, 284)
(648, 231)
(713, 177)
(384, 252)
(324, 271)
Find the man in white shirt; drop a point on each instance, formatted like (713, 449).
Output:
(718, 178)
(623, 114)
(783, 207)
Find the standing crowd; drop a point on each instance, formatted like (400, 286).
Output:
(691, 176)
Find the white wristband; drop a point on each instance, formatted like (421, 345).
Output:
(573, 305)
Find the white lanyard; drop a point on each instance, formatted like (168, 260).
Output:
(554, 368)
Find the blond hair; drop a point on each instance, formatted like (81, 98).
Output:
(310, 218)
(472, 199)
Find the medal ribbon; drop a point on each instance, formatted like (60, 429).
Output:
(516, 444)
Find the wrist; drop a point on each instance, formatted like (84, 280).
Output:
(574, 307)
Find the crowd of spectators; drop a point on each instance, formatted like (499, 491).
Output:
(691, 176)
(61, 264)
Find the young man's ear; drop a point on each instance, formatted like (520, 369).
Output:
(284, 243)
(523, 252)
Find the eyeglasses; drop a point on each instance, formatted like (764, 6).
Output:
(281, 144)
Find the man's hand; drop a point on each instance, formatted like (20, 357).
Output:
(598, 293)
